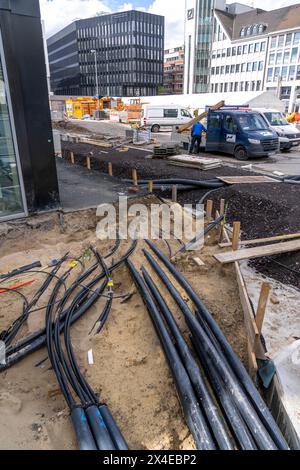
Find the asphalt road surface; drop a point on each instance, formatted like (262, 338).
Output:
(286, 163)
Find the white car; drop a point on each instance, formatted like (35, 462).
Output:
(289, 135)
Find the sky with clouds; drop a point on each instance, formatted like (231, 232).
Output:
(59, 13)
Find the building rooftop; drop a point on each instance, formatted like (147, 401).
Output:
(272, 21)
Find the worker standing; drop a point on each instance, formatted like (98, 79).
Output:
(197, 130)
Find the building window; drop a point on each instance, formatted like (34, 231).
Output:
(251, 48)
(273, 42)
(242, 86)
(245, 49)
(272, 59)
(285, 93)
(227, 69)
(276, 74)
(237, 68)
(222, 69)
(243, 67)
(257, 47)
(247, 86)
(292, 72)
(226, 87)
(286, 57)
(294, 55)
(296, 39)
(213, 70)
(261, 28)
(232, 68)
(249, 67)
(254, 67)
(10, 190)
(236, 86)
(221, 87)
(234, 51)
(242, 33)
(263, 47)
(217, 70)
(284, 72)
(298, 73)
(248, 30)
(239, 50)
(270, 74)
(281, 41)
(228, 53)
(258, 85)
(279, 58)
(288, 39)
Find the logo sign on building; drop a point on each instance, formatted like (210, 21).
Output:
(191, 14)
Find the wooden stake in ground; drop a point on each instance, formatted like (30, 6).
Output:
(236, 235)
(110, 169)
(174, 193)
(88, 163)
(222, 207)
(262, 305)
(72, 158)
(209, 209)
(134, 177)
(150, 187)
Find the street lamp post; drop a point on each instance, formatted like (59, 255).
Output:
(94, 52)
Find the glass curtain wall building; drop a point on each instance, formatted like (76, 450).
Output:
(127, 57)
(11, 195)
(28, 178)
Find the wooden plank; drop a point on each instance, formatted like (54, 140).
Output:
(72, 157)
(253, 337)
(258, 252)
(88, 163)
(257, 241)
(174, 193)
(198, 261)
(247, 179)
(110, 169)
(201, 116)
(236, 235)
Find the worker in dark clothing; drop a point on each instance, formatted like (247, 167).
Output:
(197, 130)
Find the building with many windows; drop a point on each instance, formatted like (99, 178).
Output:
(174, 71)
(252, 50)
(119, 54)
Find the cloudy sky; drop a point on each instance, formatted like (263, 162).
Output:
(59, 13)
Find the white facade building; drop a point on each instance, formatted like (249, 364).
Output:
(252, 50)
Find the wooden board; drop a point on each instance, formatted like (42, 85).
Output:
(201, 116)
(258, 252)
(247, 179)
(257, 241)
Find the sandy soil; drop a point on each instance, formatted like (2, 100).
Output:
(130, 371)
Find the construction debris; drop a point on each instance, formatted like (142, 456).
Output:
(164, 151)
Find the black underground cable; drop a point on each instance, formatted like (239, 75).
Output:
(207, 404)
(188, 400)
(237, 366)
(241, 400)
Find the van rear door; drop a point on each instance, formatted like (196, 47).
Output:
(229, 134)
(214, 130)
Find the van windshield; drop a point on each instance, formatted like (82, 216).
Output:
(186, 113)
(251, 122)
(276, 119)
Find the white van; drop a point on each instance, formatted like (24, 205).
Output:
(289, 135)
(156, 117)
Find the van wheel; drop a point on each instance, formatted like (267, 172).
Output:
(240, 153)
(155, 129)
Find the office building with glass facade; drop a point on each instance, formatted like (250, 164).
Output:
(120, 54)
(28, 180)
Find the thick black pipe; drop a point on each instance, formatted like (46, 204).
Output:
(208, 406)
(190, 406)
(99, 429)
(234, 419)
(171, 181)
(113, 428)
(83, 432)
(241, 400)
(237, 366)
(37, 340)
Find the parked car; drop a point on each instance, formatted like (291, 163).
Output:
(289, 135)
(240, 133)
(157, 117)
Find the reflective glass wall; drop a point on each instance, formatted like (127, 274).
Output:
(11, 201)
